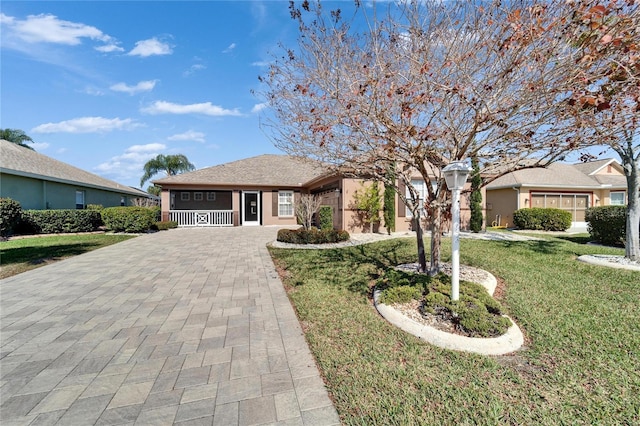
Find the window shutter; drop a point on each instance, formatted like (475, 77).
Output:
(274, 203)
(401, 211)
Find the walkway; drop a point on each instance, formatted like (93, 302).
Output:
(189, 326)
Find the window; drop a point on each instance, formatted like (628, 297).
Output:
(618, 198)
(79, 199)
(420, 186)
(197, 196)
(184, 196)
(285, 203)
(211, 196)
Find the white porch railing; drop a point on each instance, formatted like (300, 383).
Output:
(202, 217)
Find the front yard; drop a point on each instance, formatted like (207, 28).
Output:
(581, 324)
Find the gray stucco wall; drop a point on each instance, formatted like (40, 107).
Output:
(36, 194)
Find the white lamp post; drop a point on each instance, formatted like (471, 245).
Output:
(455, 174)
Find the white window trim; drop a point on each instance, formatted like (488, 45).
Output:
(211, 196)
(624, 198)
(197, 196)
(184, 196)
(284, 203)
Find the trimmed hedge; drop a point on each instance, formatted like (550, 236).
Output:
(60, 221)
(311, 236)
(10, 213)
(607, 224)
(325, 217)
(164, 225)
(542, 219)
(128, 219)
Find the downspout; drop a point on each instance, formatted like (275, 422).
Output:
(517, 197)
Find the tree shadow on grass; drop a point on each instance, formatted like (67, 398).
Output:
(36, 255)
(352, 268)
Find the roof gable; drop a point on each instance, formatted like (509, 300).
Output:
(22, 161)
(263, 170)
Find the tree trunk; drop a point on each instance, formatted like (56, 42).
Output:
(436, 238)
(422, 259)
(632, 246)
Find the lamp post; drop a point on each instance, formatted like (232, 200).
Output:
(455, 174)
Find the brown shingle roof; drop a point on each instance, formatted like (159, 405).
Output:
(557, 175)
(21, 161)
(263, 170)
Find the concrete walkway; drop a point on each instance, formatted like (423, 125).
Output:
(188, 327)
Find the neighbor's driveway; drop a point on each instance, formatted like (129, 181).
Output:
(189, 326)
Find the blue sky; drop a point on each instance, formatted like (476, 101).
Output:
(105, 86)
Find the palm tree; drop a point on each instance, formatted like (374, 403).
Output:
(17, 136)
(170, 164)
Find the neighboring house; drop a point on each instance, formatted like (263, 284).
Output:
(263, 190)
(571, 187)
(40, 182)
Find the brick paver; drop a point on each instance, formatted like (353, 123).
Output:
(189, 326)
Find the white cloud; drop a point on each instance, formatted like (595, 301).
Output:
(205, 108)
(39, 146)
(193, 68)
(150, 47)
(261, 64)
(188, 136)
(259, 107)
(143, 86)
(129, 165)
(107, 48)
(46, 28)
(230, 49)
(87, 125)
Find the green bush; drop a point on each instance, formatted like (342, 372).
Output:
(607, 224)
(311, 236)
(163, 226)
(400, 294)
(95, 207)
(10, 212)
(325, 217)
(542, 219)
(60, 221)
(128, 219)
(476, 313)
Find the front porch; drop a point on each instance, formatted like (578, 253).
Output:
(190, 218)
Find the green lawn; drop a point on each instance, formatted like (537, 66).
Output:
(580, 365)
(21, 255)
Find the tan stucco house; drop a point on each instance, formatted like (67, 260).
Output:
(263, 190)
(40, 182)
(571, 187)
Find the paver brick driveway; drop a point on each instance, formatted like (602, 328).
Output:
(189, 326)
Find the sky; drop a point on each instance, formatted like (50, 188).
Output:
(107, 85)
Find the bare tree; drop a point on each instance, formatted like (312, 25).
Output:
(420, 85)
(606, 90)
(306, 207)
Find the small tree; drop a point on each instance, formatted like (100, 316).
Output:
(476, 198)
(306, 207)
(368, 202)
(389, 208)
(170, 164)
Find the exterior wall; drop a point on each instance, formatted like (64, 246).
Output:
(270, 208)
(37, 194)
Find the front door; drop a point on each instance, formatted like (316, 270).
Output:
(250, 208)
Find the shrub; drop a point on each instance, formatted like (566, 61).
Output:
(400, 294)
(607, 224)
(60, 221)
(128, 219)
(542, 219)
(95, 207)
(10, 212)
(325, 217)
(311, 236)
(164, 225)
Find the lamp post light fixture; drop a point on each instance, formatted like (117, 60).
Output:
(455, 174)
